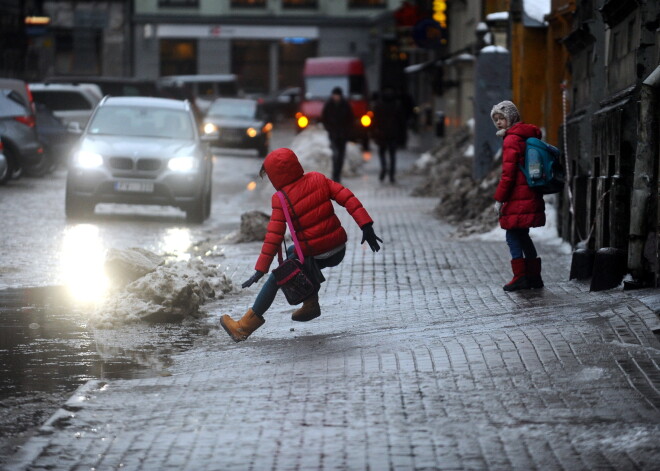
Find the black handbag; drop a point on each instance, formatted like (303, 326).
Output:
(290, 275)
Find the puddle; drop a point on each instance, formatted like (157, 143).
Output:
(47, 351)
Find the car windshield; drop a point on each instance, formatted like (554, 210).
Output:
(142, 121)
(320, 87)
(233, 109)
(62, 100)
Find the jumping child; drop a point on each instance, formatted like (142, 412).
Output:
(321, 235)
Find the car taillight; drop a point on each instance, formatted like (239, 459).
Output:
(29, 94)
(27, 120)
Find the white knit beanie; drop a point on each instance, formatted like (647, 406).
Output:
(509, 111)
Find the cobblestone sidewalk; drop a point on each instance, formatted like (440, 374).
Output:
(419, 361)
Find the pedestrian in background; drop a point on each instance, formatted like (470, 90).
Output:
(388, 125)
(321, 235)
(518, 206)
(338, 119)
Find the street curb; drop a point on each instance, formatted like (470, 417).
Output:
(35, 446)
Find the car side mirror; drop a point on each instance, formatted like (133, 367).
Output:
(74, 127)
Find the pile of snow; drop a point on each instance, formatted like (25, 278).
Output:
(253, 228)
(312, 146)
(167, 292)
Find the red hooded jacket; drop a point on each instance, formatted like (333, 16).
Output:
(317, 226)
(523, 207)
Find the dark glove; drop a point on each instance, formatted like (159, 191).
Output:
(370, 237)
(253, 279)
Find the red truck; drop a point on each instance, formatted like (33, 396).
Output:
(321, 75)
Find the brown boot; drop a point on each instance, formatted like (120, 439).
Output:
(242, 329)
(519, 280)
(533, 266)
(309, 310)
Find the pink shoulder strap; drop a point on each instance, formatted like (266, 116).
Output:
(285, 208)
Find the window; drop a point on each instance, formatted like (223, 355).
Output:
(299, 3)
(367, 3)
(178, 3)
(248, 3)
(178, 57)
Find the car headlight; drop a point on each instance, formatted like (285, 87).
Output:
(251, 132)
(182, 164)
(210, 128)
(86, 159)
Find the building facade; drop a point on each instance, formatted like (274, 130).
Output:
(263, 42)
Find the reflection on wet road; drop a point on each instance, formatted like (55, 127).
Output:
(47, 351)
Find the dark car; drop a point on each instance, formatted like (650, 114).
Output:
(240, 123)
(56, 138)
(282, 105)
(22, 148)
(141, 150)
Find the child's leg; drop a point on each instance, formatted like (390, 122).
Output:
(266, 296)
(527, 245)
(513, 240)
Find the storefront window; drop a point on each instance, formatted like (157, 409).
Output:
(299, 3)
(367, 3)
(248, 3)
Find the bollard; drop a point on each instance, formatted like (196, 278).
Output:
(610, 266)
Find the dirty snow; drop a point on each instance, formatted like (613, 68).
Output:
(169, 293)
(312, 146)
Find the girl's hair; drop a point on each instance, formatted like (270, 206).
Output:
(262, 171)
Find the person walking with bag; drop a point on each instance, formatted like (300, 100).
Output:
(321, 238)
(338, 119)
(517, 205)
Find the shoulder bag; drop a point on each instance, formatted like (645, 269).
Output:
(289, 275)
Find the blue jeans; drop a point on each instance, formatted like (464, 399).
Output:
(520, 243)
(268, 291)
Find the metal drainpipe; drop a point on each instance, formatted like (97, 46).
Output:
(647, 147)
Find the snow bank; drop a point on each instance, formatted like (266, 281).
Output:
(498, 16)
(312, 146)
(169, 292)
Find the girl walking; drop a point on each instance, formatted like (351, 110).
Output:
(518, 206)
(322, 238)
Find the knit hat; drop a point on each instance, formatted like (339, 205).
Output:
(508, 110)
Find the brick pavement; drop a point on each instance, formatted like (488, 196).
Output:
(419, 361)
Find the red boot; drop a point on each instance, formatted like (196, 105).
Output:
(533, 266)
(519, 280)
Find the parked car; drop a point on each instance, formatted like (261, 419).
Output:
(283, 104)
(201, 89)
(141, 150)
(115, 86)
(239, 123)
(22, 149)
(73, 104)
(55, 137)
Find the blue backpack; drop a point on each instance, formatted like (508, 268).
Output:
(542, 168)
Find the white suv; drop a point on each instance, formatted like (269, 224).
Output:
(72, 104)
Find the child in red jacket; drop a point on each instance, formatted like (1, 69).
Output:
(518, 206)
(321, 236)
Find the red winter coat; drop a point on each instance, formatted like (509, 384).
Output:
(318, 228)
(523, 207)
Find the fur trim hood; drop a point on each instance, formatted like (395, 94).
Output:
(509, 111)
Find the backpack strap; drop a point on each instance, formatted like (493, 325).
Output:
(285, 208)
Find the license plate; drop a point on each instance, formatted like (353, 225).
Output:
(135, 187)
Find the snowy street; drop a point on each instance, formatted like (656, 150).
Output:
(419, 360)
